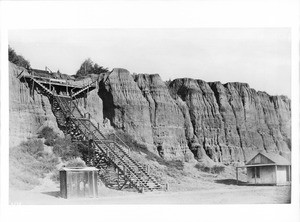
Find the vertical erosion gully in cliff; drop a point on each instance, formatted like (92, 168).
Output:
(103, 152)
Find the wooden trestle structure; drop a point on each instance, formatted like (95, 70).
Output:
(108, 155)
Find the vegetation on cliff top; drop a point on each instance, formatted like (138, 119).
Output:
(89, 67)
(17, 59)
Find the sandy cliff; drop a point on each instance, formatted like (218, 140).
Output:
(225, 122)
(183, 119)
(28, 110)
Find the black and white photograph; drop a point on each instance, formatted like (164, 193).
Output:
(88, 129)
(116, 115)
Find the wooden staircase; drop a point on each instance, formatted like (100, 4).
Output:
(83, 90)
(117, 168)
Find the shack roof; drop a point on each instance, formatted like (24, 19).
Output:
(276, 159)
(79, 169)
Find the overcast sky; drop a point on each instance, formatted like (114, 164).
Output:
(260, 57)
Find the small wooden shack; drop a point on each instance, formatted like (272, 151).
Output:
(268, 168)
(78, 182)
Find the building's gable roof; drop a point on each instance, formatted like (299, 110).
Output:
(275, 158)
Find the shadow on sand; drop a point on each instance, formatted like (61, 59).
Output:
(52, 193)
(240, 183)
(232, 182)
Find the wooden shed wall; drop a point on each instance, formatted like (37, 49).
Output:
(283, 174)
(78, 184)
(267, 175)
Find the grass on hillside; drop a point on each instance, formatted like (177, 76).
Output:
(29, 162)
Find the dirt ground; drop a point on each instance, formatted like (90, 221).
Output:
(224, 192)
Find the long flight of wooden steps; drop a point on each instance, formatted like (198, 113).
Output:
(111, 156)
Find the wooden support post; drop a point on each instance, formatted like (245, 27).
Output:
(118, 181)
(167, 186)
(89, 154)
(275, 174)
(94, 183)
(290, 173)
(255, 175)
(32, 90)
(237, 176)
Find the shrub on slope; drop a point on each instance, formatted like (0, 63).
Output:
(29, 162)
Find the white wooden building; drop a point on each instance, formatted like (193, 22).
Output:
(268, 168)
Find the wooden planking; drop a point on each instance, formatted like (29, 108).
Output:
(78, 184)
(63, 184)
(259, 159)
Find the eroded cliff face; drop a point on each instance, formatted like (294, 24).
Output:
(166, 119)
(225, 123)
(28, 111)
(232, 121)
(125, 106)
(186, 119)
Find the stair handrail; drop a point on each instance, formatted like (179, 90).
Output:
(116, 136)
(37, 77)
(131, 170)
(138, 167)
(83, 88)
(124, 173)
(114, 142)
(36, 81)
(123, 162)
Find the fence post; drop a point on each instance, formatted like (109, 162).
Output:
(237, 176)
(167, 186)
